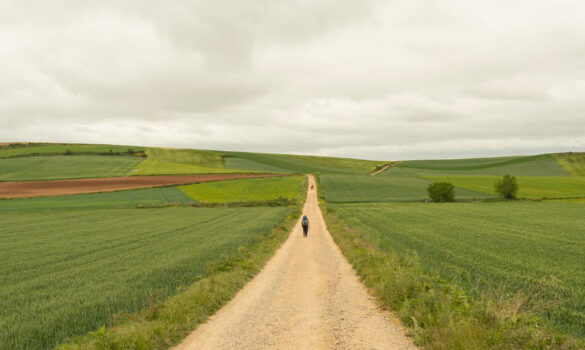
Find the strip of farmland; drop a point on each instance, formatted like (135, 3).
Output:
(61, 187)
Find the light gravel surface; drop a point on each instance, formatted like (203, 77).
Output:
(306, 297)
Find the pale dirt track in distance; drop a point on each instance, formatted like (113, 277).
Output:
(28, 189)
(386, 167)
(306, 297)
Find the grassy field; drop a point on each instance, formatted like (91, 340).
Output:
(167, 161)
(243, 163)
(148, 197)
(66, 167)
(532, 187)
(300, 164)
(366, 188)
(531, 252)
(175, 161)
(541, 165)
(265, 189)
(573, 163)
(58, 148)
(68, 272)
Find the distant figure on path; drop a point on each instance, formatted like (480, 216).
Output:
(305, 224)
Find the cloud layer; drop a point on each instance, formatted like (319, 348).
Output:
(371, 79)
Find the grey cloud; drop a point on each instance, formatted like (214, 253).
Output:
(375, 79)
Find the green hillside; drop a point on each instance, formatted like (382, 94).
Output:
(26, 149)
(299, 164)
(533, 187)
(540, 165)
(66, 167)
(169, 161)
(366, 188)
(573, 163)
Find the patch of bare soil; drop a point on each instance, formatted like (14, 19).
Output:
(75, 186)
(307, 297)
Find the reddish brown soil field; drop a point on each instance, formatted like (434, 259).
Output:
(60, 187)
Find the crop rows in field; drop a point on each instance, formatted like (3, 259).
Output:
(541, 165)
(169, 161)
(66, 272)
(298, 163)
(165, 161)
(66, 167)
(177, 161)
(492, 250)
(347, 188)
(533, 187)
(148, 197)
(263, 189)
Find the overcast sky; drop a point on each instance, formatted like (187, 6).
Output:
(372, 79)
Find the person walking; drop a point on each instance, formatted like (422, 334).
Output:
(305, 224)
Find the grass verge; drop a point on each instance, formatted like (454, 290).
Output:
(440, 315)
(167, 323)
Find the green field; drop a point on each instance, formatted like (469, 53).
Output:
(541, 165)
(573, 163)
(70, 263)
(299, 164)
(68, 272)
(264, 189)
(492, 250)
(148, 197)
(176, 161)
(61, 149)
(532, 187)
(366, 188)
(66, 167)
(167, 161)
(242, 163)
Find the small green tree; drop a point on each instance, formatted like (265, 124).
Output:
(507, 187)
(441, 192)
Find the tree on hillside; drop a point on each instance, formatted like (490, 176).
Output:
(441, 192)
(507, 187)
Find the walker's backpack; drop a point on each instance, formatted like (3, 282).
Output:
(305, 220)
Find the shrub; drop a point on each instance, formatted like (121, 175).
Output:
(441, 192)
(68, 152)
(507, 187)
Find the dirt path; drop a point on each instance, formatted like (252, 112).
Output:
(386, 167)
(27, 189)
(306, 297)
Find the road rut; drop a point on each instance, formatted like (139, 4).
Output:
(306, 297)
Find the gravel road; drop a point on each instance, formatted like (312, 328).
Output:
(306, 297)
